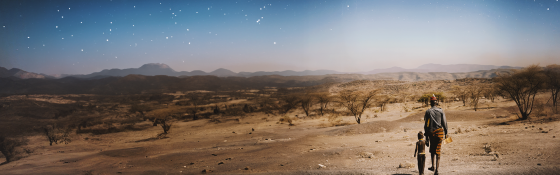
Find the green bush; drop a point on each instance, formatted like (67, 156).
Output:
(426, 97)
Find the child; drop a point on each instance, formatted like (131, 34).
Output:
(420, 147)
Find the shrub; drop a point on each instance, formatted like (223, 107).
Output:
(335, 120)
(56, 134)
(8, 147)
(426, 97)
(286, 119)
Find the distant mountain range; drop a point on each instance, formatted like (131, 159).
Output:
(162, 69)
(15, 72)
(153, 69)
(452, 68)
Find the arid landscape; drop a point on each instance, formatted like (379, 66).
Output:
(341, 87)
(292, 129)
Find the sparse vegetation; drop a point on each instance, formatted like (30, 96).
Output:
(8, 147)
(231, 115)
(307, 101)
(290, 102)
(288, 119)
(552, 73)
(356, 102)
(57, 134)
(323, 99)
(522, 87)
(426, 97)
(475, 91)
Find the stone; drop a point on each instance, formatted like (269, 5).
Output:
(366, 155)
(407, 165)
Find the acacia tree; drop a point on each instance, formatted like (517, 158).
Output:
(426, 97)
(356, 102)
(164, 118)
(522, 86)
(267, 105)
(307, 101)
(461, 93)
(195, 99)
(475, 91)
(289, 102)
(552, 73)
(57, 134)
(490, 92)
(142, 109)
(323, 99)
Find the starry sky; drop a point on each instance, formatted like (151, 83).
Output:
(85, 36)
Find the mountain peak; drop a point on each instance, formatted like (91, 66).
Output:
(221, 72)
(156, 65)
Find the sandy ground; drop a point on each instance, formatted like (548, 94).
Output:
(490, 142)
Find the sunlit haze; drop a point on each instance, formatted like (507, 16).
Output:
(80, 37)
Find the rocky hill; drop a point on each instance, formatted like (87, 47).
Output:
(18, 73)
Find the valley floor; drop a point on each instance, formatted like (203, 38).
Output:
(490, 141)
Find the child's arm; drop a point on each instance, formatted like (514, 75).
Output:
(415, 149)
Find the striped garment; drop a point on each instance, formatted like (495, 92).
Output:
(435, 141)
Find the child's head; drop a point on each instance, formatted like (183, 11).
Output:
(420, 135)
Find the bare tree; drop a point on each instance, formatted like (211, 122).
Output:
(490, 92)
(475, 91)
(356, 102)
(307, 101)
(552, 73)
(323, 99)
(461, 93)
(289, 102)
(195, 99)
(522, 86)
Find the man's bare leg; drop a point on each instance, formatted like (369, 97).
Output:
(432, 168)
(437, 164)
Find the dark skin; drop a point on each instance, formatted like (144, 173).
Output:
(420, 148)
(437, 156)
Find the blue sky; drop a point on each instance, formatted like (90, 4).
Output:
(78, 37)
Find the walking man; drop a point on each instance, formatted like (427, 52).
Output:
(435, 129)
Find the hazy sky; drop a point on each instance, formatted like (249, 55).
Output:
(57, 37)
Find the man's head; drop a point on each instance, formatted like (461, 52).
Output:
(420, 135)
(433, 100)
